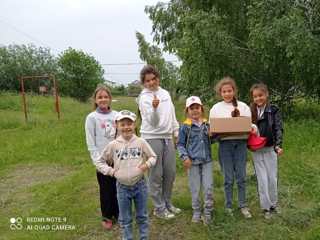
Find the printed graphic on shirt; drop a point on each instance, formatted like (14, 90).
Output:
(129, 153)
(107, 125)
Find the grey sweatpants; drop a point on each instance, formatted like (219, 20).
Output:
(266, 167)
(163, 174)
(201, 175)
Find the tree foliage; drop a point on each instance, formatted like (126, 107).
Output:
(79, 74)
(119, 90)
(277, 42)
(22, 60)
(153, 55)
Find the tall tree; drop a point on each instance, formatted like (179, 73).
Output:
(206, 38)
(287, 46)
(252, 40)
(79, 74)
(153, 55)
(19, 60)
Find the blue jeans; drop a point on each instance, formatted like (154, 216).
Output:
(138, 194)
(233, 159)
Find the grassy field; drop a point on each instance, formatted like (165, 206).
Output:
(45, 172)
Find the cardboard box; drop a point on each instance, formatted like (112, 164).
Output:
(232, 125)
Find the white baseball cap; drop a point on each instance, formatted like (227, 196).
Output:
(193, 99)
(125, 114)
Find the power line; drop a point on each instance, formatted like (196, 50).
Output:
(122, 73)
(120, 64)
(131, 63)
(25, 34)
(47, 45)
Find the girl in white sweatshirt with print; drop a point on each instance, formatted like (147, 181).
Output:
(100, 130)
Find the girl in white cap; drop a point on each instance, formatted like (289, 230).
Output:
(194, 148)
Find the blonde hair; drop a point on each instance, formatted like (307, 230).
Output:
(229, 81)
(226, 81)
(100, 87)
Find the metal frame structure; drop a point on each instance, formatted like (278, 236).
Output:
(32, 78)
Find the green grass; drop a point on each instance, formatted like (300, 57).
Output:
(45, 171)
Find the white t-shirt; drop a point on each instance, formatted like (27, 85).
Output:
(223, 110)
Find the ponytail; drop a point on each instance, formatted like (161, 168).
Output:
(235, 112)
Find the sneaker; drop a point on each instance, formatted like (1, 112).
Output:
(275, 210)
(196, 218)
(245, 212)
(206, 220)
(107, 224)
(174, 210)
(229, 212)
(163, 215)
(267, 214)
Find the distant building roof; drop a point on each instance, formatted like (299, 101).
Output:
(135, 82)
(110, 83)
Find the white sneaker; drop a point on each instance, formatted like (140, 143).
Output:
(267, 214)
(245, 212)
(163, 215)
(174, 210)
(229, 212)
(196, 218)
(206, 220)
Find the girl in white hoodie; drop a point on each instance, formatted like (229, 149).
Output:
(159, 125)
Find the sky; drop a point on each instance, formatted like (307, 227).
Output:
(103, 28)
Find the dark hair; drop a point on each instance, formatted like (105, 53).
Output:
(262, 87)
(148, 69)
(186, 110)
(99, 88)
(229, 81)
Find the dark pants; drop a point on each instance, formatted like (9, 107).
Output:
(108, 196)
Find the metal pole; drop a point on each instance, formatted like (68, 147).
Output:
(23, 99)
(56, 96)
